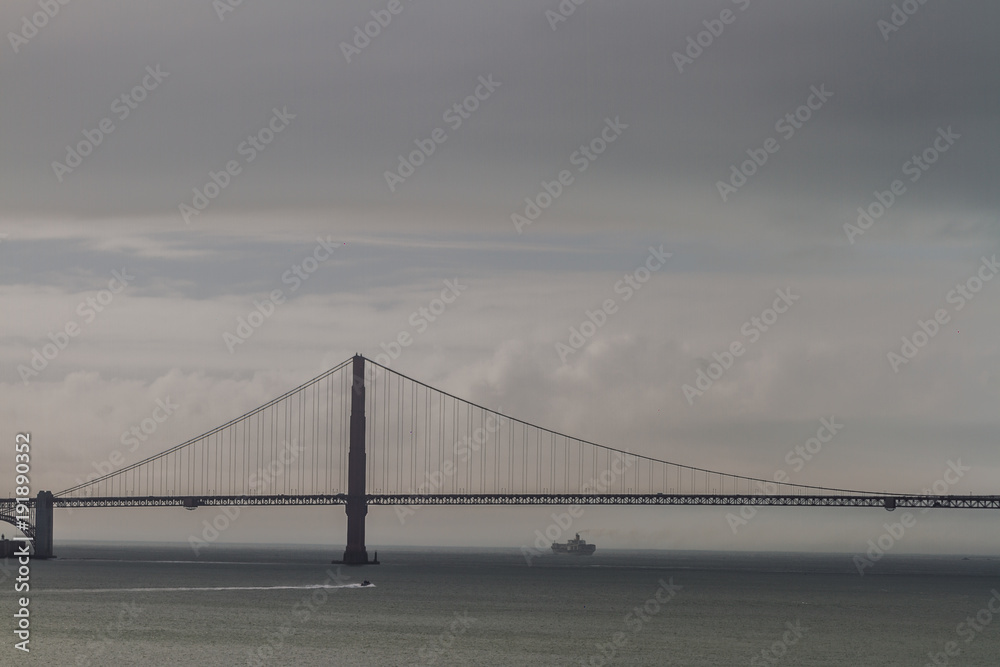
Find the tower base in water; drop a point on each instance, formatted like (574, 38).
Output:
(357, 558)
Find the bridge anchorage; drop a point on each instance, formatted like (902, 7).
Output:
(38, 527)
(361, 434)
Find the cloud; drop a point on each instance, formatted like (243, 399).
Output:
(323, 177)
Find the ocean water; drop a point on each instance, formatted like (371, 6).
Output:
(103, 604)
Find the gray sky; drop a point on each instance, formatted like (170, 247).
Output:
(885, 97)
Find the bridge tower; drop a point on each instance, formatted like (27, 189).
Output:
(357, 502)
(43, 525)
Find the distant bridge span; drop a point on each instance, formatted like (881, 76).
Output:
(889, 502)
(361, 434)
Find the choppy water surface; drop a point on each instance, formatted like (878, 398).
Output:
(99, 604)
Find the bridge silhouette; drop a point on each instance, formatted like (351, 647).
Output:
(361, 434)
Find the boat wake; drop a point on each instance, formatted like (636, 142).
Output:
(201, 588)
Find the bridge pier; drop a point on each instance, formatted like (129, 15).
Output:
(357, 501)
(43, 525)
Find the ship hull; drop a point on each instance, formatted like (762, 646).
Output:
(584, 551)
(575, 547)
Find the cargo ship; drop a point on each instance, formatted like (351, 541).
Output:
(577, 547)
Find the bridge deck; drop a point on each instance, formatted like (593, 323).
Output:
(888, 501)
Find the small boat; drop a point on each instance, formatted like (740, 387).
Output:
(577, 547)
(366, 583)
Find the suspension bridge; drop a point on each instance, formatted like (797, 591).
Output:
(361, 434)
